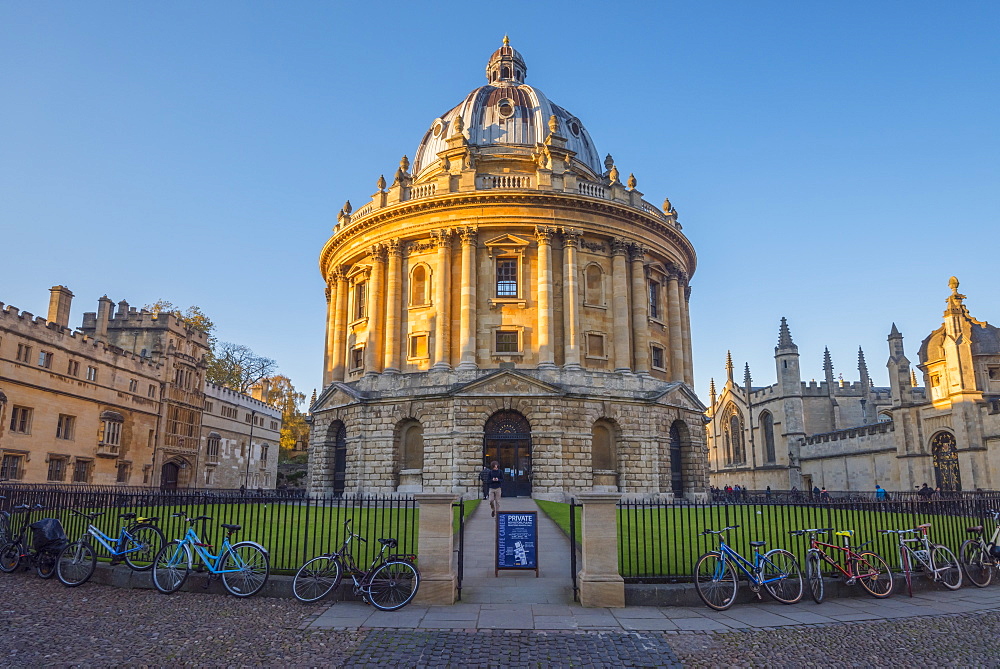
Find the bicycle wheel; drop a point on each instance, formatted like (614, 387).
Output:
(977, 565)
(4, 527)
(145, 542)
(814, 574)
(393, 585)
(316, 578)
(45, 565)
(171, 566)
(782, 576)
(76, 564)
(946, 567)
(10, 556)
(715, 581)
(873, 574)
(252, 566)
(904, 563)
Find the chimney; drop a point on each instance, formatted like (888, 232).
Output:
(104, 306)
(60, 299)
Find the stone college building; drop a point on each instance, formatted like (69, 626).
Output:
(508, 296)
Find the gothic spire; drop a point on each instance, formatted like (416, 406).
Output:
(862, 366)
(785, 336)
(746, 375)
(729, 365)
(711, 390)
(894, 332)
(827, 361)
(913, 378)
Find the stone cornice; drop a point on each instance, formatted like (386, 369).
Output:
(615, 210)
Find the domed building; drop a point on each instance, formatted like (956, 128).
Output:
(508, 296)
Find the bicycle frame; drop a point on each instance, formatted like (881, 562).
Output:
(110, 544)
(200, 549)
(751, 569)
(850, 558)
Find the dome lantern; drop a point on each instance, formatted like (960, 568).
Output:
(506, 65)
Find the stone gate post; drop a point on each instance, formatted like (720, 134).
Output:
(600, 583)
(438, 578)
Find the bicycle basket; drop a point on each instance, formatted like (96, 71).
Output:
(47, 535)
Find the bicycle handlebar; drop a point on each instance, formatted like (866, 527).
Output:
(709, 530)
(896, 531)
(88, 516)
(815, 530)
(347, 526)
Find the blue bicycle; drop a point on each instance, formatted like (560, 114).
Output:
(716, 581)
(244, 566)
(138, 542)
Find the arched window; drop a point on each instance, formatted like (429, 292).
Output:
(594, 288)
(418, 286)
(336, 439)
(947, 474)
(767, 432)
(602, 447)
(738, 453)
(678, 437)
(411, 446)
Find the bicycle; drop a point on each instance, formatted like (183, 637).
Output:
(137, 544)
(389, 583)
(979, 556)
(866, 567)
(777, 571)
(243, 567)
(48, 538)
(928, 556)
(4, 525)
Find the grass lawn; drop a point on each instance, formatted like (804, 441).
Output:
(665, 541)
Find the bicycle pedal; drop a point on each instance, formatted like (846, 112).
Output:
(850, 581)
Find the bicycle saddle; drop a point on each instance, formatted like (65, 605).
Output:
(758, 544)
(231, 528)
(126, 516)
(391, 543)
(975, 530)
(924, 526)
(845, 533)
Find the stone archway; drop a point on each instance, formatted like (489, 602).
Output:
(507, 440)
(947, 474)
(678, 439)
(336, 440)
(175, 473)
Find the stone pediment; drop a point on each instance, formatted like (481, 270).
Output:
(680, 395)
(507, 382)
(336, 395)
(506, 244)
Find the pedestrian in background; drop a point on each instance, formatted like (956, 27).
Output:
(493, 481)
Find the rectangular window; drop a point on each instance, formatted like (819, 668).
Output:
(81, 471)
(123, 472)
(595, 346)
(45, 359)
(263, 453)
(208, 476)
(57, 469)
(133, 386)
(209, 407)
(212, 450)
(274, 425)
(418, 346)
(507, 341)
(73, 368)
(92, 373)
(112, 433)
(12, 467)
(357, 358)
(507, 277)
(151, 393)
(20, 420)
(654, 299)
(360, 299)
(657, 357)
(994, 373)
(23, 353)
(65, 427)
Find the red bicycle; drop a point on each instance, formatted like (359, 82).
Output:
(857, 566)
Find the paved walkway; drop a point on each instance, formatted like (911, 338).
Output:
(519, 601)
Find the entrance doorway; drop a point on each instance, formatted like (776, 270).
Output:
(947, 474)
(508, 441)
(338, 436)
(676, 459)
(169, 475)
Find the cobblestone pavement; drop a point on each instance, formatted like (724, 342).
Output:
(44, 624)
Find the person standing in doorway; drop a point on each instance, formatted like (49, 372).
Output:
(484, 478)
(493, 482)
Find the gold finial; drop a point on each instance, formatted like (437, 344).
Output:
(631, 182)
(953, 284)
(506, 41)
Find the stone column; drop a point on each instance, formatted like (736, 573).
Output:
(467, 324)
(600, 583)
(546, 355)
(340, 325)
(331, 315)
(438, 578)
(442, 301)
(640, 310)
(619, 305)
(685, 293)
(676, 338)
(571, 300)
(394, 286)
(375, 310)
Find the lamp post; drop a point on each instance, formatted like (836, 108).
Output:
(253, 419)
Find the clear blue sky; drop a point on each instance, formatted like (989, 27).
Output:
(833, 163)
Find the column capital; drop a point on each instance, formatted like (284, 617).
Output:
(543, 233)
(636, 251)
(442, 238)
(687, 293)
(330, 287)
(338, 273)
(619, 246)
(377, 253)
(469, 235)
(571, 237)
(394, 248)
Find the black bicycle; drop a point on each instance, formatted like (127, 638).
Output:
(389, 583)
(47, 540)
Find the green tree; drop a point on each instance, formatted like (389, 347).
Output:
(281, 394)
(193, 317)
(237, 367)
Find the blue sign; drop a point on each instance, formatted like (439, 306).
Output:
(517, 541)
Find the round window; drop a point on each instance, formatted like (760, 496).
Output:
(437, 129)
(574, 127)
(506, 108)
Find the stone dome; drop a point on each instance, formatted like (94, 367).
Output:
(506, 112)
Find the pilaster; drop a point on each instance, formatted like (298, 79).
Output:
(619, 305)
(571, 299)
(376, 302)
(546, 357)
(339, 325)
(467, 324)
(394, 282)
(677, 358)
(640, 317)
(442, 301)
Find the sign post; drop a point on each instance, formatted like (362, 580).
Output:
(517, 541)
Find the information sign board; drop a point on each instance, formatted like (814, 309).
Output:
(517, 541)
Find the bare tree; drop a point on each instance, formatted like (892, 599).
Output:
(237, 367)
